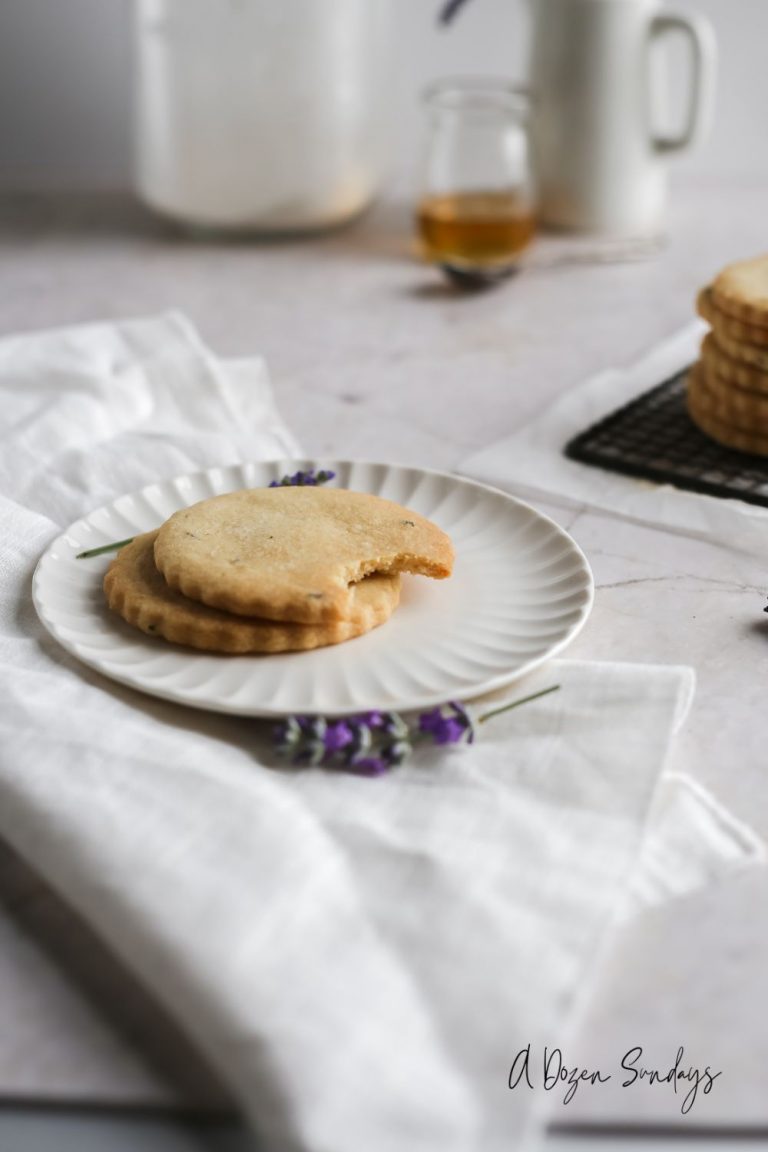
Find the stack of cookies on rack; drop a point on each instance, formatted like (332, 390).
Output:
(728, 386)
(274, 569)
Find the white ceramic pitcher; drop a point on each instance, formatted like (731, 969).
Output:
(597, 91)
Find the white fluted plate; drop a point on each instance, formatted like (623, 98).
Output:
(520, 592)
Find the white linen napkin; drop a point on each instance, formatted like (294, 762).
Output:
(359, 958)
(93, 411)
(692, 840)
(530, 461)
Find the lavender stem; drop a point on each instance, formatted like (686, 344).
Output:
(517, 703)
(104, 548)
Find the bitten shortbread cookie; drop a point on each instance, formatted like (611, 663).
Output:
(741, 291)
(292, 553)
(714, 416)
(136, 591)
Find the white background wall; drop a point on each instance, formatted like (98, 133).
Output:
(65, 77)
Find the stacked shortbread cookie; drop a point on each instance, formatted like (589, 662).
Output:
(274, 569)
(728, 386)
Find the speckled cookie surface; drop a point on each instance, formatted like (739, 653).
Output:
(293, 553)
(741, 291)
(727, 327)
(136, 591)
(714, 414)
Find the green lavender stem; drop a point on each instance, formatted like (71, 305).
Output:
(517, 703)
(113, 547)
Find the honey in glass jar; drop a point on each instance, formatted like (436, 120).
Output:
(476, 207)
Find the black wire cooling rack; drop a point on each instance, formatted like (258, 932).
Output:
(653, 437)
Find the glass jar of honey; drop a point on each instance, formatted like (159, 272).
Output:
(476, 210)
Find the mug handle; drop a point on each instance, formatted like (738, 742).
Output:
(701, 37)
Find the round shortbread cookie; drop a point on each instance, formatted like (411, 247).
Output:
(734, 372)
(737, 406)
(741, 291)
(750, 354)
(292, 553)
(136, 591)
(728, 327)
(707, 413)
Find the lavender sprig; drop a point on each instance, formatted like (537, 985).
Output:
(369, 744)
(303, 479)
(373, 742)
(299, 479)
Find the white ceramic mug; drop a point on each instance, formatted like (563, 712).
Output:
(598, 161)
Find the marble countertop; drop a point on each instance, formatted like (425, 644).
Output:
(371, 355)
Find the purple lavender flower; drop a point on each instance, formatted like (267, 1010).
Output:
(338, 735)
(304, 479)
(442, 729)
(369, 766)
(447, 729)
(368, 744)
